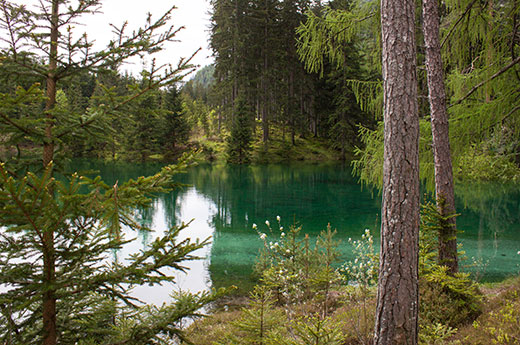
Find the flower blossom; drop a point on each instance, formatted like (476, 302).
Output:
(254, 226)
(263, 236)
(278, 218)
(267, 222)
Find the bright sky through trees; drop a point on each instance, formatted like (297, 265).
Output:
(192, 14)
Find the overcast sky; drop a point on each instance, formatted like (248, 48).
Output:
(192, 14)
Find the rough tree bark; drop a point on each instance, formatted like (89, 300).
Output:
(398, 288)
(49, 264)
(440, 133)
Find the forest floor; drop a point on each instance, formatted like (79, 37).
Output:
(279, 149)
(234, 318)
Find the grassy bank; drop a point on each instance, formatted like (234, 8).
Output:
(278, 149)
(351, 316)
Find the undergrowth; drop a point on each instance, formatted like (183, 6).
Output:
(305, 296)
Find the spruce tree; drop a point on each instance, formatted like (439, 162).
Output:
(239, 142)
(58, 235)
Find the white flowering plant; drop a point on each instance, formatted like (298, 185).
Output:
(282, 261)
(292, 268)
(363, 270)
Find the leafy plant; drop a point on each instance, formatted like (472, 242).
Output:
(258, 321)
(294, 270)
(503, 325)
(446, 299)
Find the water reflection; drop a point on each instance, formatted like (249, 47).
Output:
(491, 224)
(225, 201)
(170, 209)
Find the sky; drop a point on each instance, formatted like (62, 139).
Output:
(192, 14)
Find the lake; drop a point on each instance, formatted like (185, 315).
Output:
(225, 201)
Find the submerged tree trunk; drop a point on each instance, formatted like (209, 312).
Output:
(440, 134)
(398, 287)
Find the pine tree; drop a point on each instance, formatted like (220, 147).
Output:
(398, 286)
(239, 141)
(56, 240)
(175, 128)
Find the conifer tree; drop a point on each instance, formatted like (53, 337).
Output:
(56, 242)
(239, 141)
(175, 128)
(397, 311)
(444, 184)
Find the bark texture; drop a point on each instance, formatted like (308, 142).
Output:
(49, 259)
(440, 133)
(398, 288)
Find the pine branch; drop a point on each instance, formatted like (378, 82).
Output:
(476, 87)
(468, 8)
(184, 64)
(17, 126)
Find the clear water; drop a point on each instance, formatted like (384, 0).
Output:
(225, 201)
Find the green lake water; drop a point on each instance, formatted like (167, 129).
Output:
(225, 201)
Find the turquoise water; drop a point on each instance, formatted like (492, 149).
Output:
(225, 201)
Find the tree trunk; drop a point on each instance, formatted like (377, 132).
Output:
(440, 133)
(489, 50)
(49, 265)
(290, 107)
(398, 288)
(265, 114)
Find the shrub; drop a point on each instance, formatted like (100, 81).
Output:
(448, 300)
(503, 325)
(293, 270)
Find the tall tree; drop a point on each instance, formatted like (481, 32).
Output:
(239, 141)
(52, 253)
(398, 285)
(444, 188)
(175, 126)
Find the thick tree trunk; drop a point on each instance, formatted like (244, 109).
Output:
(398, 288)
(440, 134)
(49, 268)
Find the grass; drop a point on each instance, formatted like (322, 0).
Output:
(279, 148)
(498, 324)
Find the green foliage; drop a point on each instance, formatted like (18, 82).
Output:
(312, 330)
(369, 163)
(435, 334)
(503, 325)
(294, 271)
(445, 299)
(86, 227)
(258, 323)
(176, 129)
(240, 138)
(323, 35)
(484, 165)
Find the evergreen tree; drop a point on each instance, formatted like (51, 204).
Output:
(397, 311)
(175, 126)
(239, 141)
(56, 242)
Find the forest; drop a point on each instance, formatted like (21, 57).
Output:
(409, 93)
